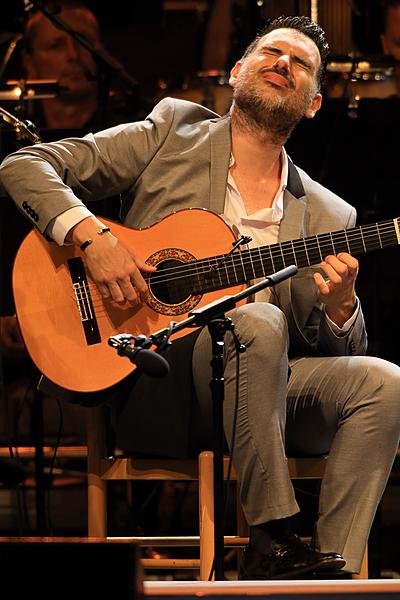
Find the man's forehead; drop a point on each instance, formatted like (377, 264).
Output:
(393, 20)
(305, 43)
(70, 15)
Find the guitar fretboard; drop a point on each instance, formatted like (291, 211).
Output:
(223, 271)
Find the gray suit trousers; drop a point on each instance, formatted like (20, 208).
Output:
(347, 406)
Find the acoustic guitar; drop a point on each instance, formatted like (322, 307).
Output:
(66, 323)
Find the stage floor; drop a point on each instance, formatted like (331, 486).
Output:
(328, 589)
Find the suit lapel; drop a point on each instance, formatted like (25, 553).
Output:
(220, 142)
(292, 225)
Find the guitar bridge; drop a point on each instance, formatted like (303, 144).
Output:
(83, 300)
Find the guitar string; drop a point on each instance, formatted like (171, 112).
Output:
(275, 250)
(272, 253)
(94, 293)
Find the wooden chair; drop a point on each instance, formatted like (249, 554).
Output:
(102, 469)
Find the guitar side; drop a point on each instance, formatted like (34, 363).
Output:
(50, 316)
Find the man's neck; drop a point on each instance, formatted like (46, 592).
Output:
(257, 167)
(64, 114)
(253, 149)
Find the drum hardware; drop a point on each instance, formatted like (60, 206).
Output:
(208, 88)
(358, 77)
(30, 89)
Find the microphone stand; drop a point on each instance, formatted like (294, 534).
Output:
(213, 315)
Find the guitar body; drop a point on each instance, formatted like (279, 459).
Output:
(53, 316)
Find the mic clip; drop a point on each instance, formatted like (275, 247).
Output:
(121, 341)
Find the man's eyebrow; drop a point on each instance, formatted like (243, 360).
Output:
(296, 57)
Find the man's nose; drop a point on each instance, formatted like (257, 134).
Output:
(283, 62)
(73, 49)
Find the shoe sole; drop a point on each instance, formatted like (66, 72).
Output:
(330, 564)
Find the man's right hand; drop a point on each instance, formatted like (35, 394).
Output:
(115, 269)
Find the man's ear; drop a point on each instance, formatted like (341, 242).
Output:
(234, 73)
(314, 106)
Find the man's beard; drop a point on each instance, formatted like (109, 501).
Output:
(273, 116)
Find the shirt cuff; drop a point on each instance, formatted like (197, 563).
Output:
(347, 326)
(61, 225)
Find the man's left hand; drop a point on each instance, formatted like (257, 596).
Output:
(337, 292)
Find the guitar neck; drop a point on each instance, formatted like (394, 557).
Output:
(223, 271)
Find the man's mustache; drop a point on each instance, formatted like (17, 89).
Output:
(282, 72)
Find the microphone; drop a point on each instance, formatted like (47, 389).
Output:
(148, 361)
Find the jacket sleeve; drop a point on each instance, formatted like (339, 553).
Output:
(47, 179)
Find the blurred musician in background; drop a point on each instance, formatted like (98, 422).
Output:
(86, 101)
(390, 36)
(49, 53)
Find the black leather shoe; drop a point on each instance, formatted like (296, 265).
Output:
(288, 560)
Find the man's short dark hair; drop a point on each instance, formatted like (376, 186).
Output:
(305, 26)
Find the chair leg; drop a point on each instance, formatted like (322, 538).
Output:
(206, 514)
(97, 487)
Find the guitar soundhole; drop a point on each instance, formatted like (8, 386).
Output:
(167, 285)
(170, 287)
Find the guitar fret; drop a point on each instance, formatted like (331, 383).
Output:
(234, 269)
(333, 245)
(362, 240)
(242, 265)
(278, 260)
(340, 243)
(325, 242)
(300, 252)
(261, 262)
(251, 263)
(218, 273)
(319, 249)
(347, 242)
(313, 252)
(294, 254)
(379, 236)
(305, 248)
(226, 272)
(288, 252)
(388, 236)
(283, 257)
(272, 259)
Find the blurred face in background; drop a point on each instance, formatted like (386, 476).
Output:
(390, 38)
(53, 54)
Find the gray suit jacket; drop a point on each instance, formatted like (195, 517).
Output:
(178, 158)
